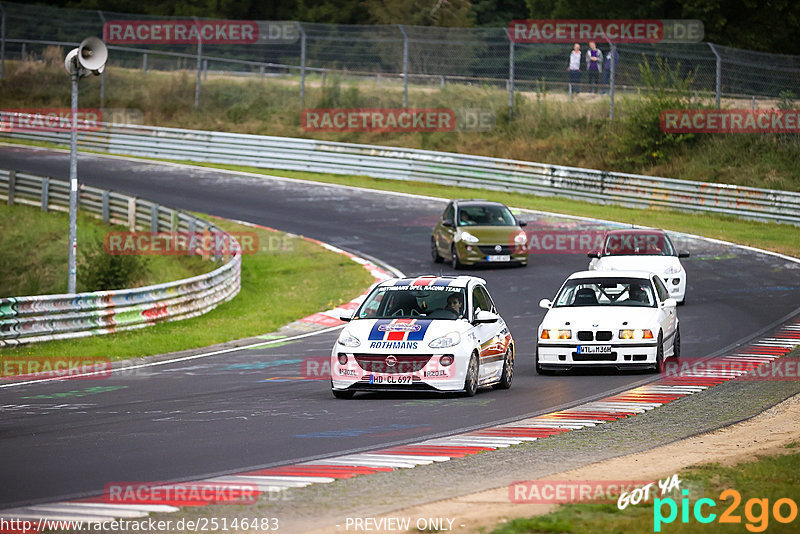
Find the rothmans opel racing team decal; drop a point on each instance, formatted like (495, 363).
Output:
(398, 333)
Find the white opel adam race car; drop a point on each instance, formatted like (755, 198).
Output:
(643, 250)
(423, 334)
(620, 319)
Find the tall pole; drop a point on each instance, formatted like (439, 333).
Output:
(103, 74)
(613, 66)
(719, 73)
(199, 69)
(405, 66)
(73, 189)
(2, 41)
(302, 65)
(510, 74)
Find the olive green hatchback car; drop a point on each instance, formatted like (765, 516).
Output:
(479, 231)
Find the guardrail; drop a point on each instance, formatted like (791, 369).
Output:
(438, 167)
(47, 317)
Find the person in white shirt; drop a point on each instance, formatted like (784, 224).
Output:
(574, 68)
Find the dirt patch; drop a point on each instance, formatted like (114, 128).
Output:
(765, 435)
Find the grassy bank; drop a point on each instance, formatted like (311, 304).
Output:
(33, 256)
(287, 279)
(771, 478)
(546, 127)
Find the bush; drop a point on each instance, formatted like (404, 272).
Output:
(642, 142)
(101, 271)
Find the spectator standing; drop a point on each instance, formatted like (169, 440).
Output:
(594, 65)
(574, 69)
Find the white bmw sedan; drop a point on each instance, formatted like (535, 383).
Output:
(620, 319)
(431, 333)
(643, 250)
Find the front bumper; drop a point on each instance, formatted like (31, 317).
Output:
(622, 356)
(471, 254)
(369, 372)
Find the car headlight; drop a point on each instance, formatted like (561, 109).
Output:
(448, 340)
(673, 269)
(521, 238)
(348, 340)
(468, 237)
(555, 333)
(636, 334)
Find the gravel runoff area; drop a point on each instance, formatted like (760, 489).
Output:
(441, 489)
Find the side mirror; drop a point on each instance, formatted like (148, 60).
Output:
(593, 254)
(683, 254)
(346, 316)
(522, 223)
(669, 303)
(448, 223)
(486, 317)
(546, 304)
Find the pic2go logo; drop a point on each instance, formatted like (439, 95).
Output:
(756, 511)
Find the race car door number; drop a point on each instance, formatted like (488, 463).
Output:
(594, 349)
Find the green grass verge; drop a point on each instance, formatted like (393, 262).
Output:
(772, 478)
(289, 278)
(781, 238)
(33, 254)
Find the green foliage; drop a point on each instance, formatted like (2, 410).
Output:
(334, 97)
(101, 271)
(786, 100)
(642, 142)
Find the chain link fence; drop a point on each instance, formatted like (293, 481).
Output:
(416, 55)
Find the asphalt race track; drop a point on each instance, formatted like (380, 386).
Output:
(248, 408)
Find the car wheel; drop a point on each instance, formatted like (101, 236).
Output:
(471, 380)
(659, 365)
(454, 259)
(676, 349)
(539, 370)
(508, 370)
(435, 251)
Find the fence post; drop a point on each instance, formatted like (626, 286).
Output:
(302, 65)
(132, 214)
(719, 73)
(199, 68)
(154, 219)
(2, 41)
(12, 186)
(144, 63)
(45, 193)
(405, 66)
(205, 69)
(104, 208)
(611, 82)
(510, 74)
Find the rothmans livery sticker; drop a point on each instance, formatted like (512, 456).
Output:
(398, 333)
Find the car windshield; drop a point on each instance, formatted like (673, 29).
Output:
(396, 302)
(638, 243)
(606, 292)
(485, 215)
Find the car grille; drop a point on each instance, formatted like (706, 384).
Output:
(608, 357)
(376, 363)
(588, 335)
(489, 250)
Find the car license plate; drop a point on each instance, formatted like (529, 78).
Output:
(594, 349)
(504, 257)
(390, 379)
